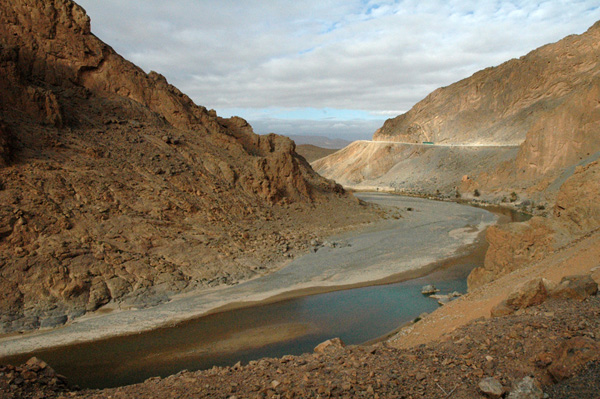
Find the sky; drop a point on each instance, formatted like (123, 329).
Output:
(327, 67)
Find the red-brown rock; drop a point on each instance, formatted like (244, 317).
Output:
(96, 207)
(331, 345)
(571, 355)
(575, 287)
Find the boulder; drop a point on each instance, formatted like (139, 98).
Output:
(501, 309)
(527, 388)
(571, 355)
(36, 364)
(443, 299)
(491, 387)
(330, 345)
(534, 292)
(429, 289)
(575, 287)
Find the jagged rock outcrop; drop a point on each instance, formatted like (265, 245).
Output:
(511, 247)
(515, 245)
(116, 188)
(578, 202)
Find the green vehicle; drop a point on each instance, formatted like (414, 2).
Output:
(428, 142)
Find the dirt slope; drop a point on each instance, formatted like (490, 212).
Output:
(116, 187)
(417, 169)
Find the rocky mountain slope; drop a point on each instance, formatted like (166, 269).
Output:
(575, 215)
(116, 188)
(408, 168)
(545, 104)
(553, 90)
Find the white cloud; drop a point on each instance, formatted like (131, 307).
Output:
(362, 55)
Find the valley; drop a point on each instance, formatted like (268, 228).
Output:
(406, 244)
(142, 234)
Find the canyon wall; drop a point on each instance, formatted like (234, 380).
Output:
(545, 105)
(502, 104)
(576, 214)
(116, 189)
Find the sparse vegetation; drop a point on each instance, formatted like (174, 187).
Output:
(476, 193)
(513, 197)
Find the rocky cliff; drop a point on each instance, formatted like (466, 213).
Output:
(576, 214)
(544, 105)
(115, 188)
(506, 103)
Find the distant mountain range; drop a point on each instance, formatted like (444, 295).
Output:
(320, 141)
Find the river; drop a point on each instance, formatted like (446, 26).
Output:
(395, 251)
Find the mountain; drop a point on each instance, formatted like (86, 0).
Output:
(540, 112)
(115, 188)
(408, 168)
(320, 141)
(501, 105)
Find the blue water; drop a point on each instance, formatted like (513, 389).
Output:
(355, 315)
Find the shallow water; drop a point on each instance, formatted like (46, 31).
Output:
(293, 326)
(355, 315)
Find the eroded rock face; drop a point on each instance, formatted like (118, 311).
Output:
(512, 246)
(5, 143)
(577, 205)
(508, 103)
(543, 104)
(116, 188)
(515, 245)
